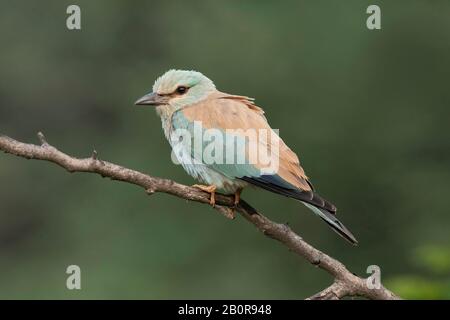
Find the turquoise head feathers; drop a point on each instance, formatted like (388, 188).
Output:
(194, 87)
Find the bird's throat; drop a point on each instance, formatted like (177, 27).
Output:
(165, 113)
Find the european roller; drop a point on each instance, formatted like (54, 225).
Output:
(192, 109)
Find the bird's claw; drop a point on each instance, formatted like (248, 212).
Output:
(237, 197)
(211, 190)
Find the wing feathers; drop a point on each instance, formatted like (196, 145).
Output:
(276, 184)
(224, 111)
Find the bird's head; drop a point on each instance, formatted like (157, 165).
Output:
(178, 88)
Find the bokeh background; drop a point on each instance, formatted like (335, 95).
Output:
(367, 111)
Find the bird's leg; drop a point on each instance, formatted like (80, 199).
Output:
(210, 189)
(237, 196)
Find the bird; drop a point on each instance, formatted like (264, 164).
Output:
(185, 98)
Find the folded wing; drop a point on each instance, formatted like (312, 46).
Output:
(223, 111)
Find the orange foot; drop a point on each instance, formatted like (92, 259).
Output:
(210, 189)
(237, 197)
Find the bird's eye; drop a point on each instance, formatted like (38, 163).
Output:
(181, 89)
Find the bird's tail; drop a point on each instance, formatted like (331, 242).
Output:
(333, 222)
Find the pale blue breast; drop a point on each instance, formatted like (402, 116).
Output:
(185, 153)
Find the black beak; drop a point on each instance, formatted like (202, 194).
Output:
(152, 99)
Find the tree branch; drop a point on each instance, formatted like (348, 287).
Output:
(345, 283)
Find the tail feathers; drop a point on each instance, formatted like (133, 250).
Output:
(333, 222)
(276, 184)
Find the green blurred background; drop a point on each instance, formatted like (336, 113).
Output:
(367, 112)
